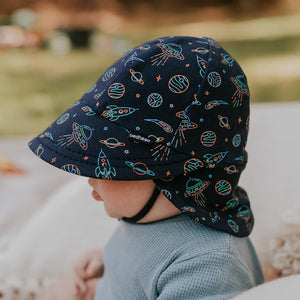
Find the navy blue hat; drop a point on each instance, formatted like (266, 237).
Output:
(174, 110)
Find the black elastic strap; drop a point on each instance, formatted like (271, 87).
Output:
(146, 208)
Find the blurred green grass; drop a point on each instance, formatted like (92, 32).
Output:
(37, 86)
(248, 49)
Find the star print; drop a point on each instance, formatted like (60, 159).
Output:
(168, 173)
(239, 120)
(187, 65)
(193, 153)
(97, 104)
(207, 93)
(138, 95)
(86, 158)
(53, 160)
(158, 78)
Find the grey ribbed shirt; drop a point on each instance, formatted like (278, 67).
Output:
(176, 259)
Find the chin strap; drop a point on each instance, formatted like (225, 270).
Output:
(146, 208)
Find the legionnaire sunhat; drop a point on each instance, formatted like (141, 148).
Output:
(174, 110)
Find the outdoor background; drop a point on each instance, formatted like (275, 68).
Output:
(51, 52)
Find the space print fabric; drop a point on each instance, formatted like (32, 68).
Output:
(174, 110)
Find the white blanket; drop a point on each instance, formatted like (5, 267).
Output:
(42, 236)
(69, 224)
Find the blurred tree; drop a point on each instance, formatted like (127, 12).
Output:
(8, 7)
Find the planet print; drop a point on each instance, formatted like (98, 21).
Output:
(223, 187)
(192, 165)
(214, 79)
(108, 74)
(208, 138)
(236, 140)
(71, 169)
(136, 76)
(178, 84)
(139, 168)
(223, 122)
(155, 100)
(112, 143)
(116, 90)
(231, 169)
(200, 50)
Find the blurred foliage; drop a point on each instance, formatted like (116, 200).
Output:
(259, 48)
(36, 86)
(129, 5)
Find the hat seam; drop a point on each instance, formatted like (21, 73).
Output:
(93, 156)
(171, 148)
(202, 81)
(133, 131)
(121, 158)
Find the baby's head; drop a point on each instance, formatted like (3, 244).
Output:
(172, 112)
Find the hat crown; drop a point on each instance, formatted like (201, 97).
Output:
(188, 92)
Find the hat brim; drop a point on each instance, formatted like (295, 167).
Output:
(85, 143)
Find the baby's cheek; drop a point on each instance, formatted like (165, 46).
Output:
(112, 212)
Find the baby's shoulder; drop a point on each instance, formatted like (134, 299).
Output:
(200, 243)
(189, 236)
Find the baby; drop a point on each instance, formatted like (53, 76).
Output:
(162, 137)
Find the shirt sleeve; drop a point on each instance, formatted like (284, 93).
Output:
(213, 276)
